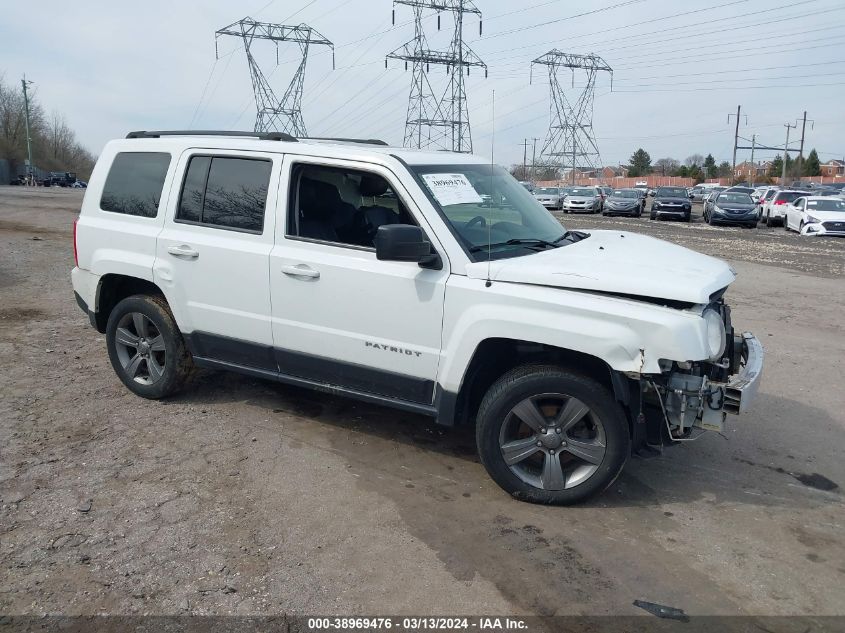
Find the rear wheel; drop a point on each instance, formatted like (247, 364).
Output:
(146, 348)
(547, 435)
(770, 220)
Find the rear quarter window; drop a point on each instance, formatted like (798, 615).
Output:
(134, 183)
(225, 192)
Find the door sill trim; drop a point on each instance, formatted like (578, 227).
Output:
(396, 403)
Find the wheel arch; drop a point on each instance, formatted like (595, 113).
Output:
(113, 288)
(493, 357)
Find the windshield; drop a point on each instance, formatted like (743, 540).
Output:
(486, 204)
(547, 191)
(826, 205)
(578, 191)
(742, 189)
(626, 193)
(671, 192)
(734, 198)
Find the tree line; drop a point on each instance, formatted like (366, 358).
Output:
(54, 144)
(700, 167)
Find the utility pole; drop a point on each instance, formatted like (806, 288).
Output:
(785, 149)
(29, 177)
(801, 151)
(736, 136)
(753, 167)
(534, 162)
(524, 158)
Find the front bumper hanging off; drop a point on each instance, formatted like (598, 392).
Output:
(742, 388)
(701, 397)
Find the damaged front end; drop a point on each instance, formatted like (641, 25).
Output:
(688, 398)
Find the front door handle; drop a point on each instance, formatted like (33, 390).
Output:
(183, 251)
(301, 270)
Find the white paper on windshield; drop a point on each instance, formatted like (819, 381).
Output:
(451, 189)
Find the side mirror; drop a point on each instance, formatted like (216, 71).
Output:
(691, 196)
(405, 243)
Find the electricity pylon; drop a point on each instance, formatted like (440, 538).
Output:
(273, 114)
(438, 122)
(570, 142)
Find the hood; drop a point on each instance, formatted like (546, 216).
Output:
(620, 263)
(572, 198)
(731, 206)
(827, 216)
(623, 201)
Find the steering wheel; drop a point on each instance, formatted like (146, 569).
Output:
(479, 219)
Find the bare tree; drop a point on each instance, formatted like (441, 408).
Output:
(666, 166)
(695, 159)
(54, 143)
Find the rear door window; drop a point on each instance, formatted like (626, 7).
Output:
(134, 183)
(225, 191)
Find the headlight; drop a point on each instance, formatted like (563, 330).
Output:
(715, 333)
(717, 209)
(812, 220)
(656, 205)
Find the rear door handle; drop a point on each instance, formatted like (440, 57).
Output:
(183, 251)
(301, 270)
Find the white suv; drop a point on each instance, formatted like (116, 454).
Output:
(427, 281)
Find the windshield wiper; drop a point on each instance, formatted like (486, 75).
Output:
(572, 236)
(516, 241)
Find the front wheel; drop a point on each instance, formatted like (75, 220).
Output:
(145, 347)
(548, 435)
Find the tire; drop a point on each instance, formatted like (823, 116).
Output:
(801, 228)
(770, 221)
(652, 216)
(153, 363)
(540, 393)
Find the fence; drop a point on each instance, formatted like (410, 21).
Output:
(620, 182)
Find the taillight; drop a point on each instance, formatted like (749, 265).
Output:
(75, 253)
(780, 201)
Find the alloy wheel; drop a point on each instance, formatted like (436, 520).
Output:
(552, 441)
(140, 348)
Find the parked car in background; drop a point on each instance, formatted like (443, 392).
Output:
(731, 207)
(550, 197)
(765, 198)
(672, 202)
(776, 209)
(528, 185)
(827, 192)
(741, 189)
(758, 193)
(582, 200)
(624, 202)
(710, 197)
(62, 178)
(79, 184)
(816, 215)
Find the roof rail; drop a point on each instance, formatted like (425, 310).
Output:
(265, 136)
(367, 141)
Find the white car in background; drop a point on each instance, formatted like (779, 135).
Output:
(550, 197)
(582, 200)
(758, 193)
(775, 209)
(765, 199)
(816, 215)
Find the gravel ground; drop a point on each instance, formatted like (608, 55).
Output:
(248, 497)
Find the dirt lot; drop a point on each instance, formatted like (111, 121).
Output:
(242, 496)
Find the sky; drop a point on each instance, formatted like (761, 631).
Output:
(679, 69)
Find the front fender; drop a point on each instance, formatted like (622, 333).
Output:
(630, 336)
